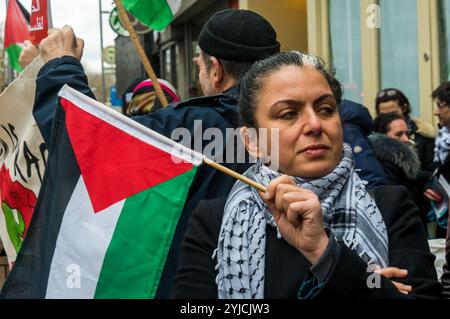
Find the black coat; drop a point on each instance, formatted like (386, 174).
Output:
(219, 111)
(286, 268)
(445, 279)
(402, 167)
(424, 140)
(444, 170)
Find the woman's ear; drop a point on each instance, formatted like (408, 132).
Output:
(249, 137)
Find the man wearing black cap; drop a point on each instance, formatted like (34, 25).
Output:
(230, 41)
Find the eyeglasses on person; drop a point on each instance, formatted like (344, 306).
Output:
(441, 105)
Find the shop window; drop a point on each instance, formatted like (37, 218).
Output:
(345, 41)
(399, 48)
(169, 58)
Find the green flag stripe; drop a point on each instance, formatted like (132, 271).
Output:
(13, 55)
(138, 250)
(154, 13)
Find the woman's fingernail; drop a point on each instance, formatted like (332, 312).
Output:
(266, 195)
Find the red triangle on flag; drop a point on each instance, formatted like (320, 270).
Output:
(16, 26)
(114, 164)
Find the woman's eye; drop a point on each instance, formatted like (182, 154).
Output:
(288, 115)
(326, 110)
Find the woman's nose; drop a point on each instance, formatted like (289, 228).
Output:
(404, 138)
(313, 123)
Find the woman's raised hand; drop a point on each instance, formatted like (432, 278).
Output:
(298, 215)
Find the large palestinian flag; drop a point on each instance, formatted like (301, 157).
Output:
(107, 211)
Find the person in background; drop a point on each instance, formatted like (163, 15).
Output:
(358, 125)
(316, 232)
(144, 99)
(127, 94)
(441, 97)
(421, 133)
(400, 162)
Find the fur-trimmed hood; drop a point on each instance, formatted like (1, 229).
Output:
(424, 128)
(397, 153)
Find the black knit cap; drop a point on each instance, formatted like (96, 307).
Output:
(238, 35)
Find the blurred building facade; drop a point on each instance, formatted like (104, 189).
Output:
(372, 44)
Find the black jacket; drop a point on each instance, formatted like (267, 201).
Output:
(402, 167)
(445, 279)
(219, 111)
(423, 136)
(286, 268)
(444, 170)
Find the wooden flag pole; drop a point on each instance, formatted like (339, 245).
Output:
(162, 97)
(232, 173)
(141, 52)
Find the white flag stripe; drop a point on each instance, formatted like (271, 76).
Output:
(83, 257)
(129, 126)
(174, 5)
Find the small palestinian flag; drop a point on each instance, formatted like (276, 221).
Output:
(108, 208)
(156, 14)
(16, 32)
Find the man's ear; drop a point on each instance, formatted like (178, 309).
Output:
(249, 137)
(217, 74)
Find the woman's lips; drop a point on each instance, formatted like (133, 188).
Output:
(315, 150)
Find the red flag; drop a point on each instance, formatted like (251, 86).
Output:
(38, 21)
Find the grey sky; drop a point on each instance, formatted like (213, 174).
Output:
(83, 16)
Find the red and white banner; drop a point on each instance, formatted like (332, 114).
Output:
(38, 21)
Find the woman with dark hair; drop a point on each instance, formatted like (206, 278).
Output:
(316, 232)
(394, 150)
(422, 133)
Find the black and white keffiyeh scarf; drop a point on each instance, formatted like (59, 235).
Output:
(348, 211)
(442, 146)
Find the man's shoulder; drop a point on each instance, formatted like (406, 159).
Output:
(220, 101)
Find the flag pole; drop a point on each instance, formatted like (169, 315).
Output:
(141, 52)
(232, 173)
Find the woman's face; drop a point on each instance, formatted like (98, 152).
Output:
(390, 106)
(398, 130)
(300, 103)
